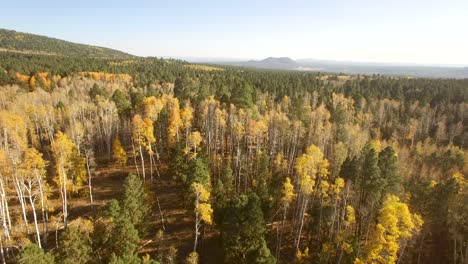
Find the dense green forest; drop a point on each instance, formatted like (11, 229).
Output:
(143, 160)
(19, 42)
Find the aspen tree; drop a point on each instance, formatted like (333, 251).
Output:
(62, 152)
(108, 121)
(308, 167)
(142, 134)
(287, 196)
(13, 132)
(152, 106)
(193, 142)
(186, 116)
(203, 210)
(119, 153)
(5, 169)
(395, 223)
(34, 184)
(174, 121)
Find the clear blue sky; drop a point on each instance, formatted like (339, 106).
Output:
(411, 31)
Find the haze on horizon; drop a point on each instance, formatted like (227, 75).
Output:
(411, 32)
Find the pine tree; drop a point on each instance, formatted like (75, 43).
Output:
(74, 247)
(243, 231)
(199, 172)
(388, 164)
(32, 254)
(126, 259)
(134, 204)
(124, 239)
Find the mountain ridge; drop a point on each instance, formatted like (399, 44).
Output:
(20, 42)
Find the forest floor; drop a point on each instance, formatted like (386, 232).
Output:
(178, 229)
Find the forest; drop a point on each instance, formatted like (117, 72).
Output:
(148, 160)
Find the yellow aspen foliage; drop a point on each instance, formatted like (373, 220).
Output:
(14, 131)
(395, 222)
(203, 210)
(337, 187)
(174, 121)
(287, 193)
(220, 116)
(308, 166)
(186, 116)
(347, 248)
(137, 129)
(23, 78)
(62, 151)
(280, 163)
(43, 79)
(118, 153)
(194, 141)
(350, 216)
(376, 144)
(152, 106)
(206, 213)
(143, 131)
(460, 179)
(302, 256)
(34, 161)
(192, 258)
(5, 166)
(78, 170)
(324, 188)
(148, 133)
(106, 76)
(200, 192)
(32, 82)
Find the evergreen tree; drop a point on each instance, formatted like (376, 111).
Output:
(74, 247)
(134, 204)
(242, 95)
(122, 103)
(388, 164)
(370, 181)
(124, 239)
(178, 165)
(199, 172)
(125, 259)
(243, 231)
(32, 254)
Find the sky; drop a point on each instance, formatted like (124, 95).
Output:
(423, 32)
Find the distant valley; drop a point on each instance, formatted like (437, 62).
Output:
(346, 67)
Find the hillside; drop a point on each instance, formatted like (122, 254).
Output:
(275, 63)
(19, 42)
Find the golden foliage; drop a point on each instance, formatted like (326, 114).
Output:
(395, 222)
(174, 121)
(287, 193)
(102, 76)
(118, 153)
(203, 67)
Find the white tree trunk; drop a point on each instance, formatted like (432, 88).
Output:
(36, 226)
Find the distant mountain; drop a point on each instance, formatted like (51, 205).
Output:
(268, 63)
(349, 67)
(13, 41)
